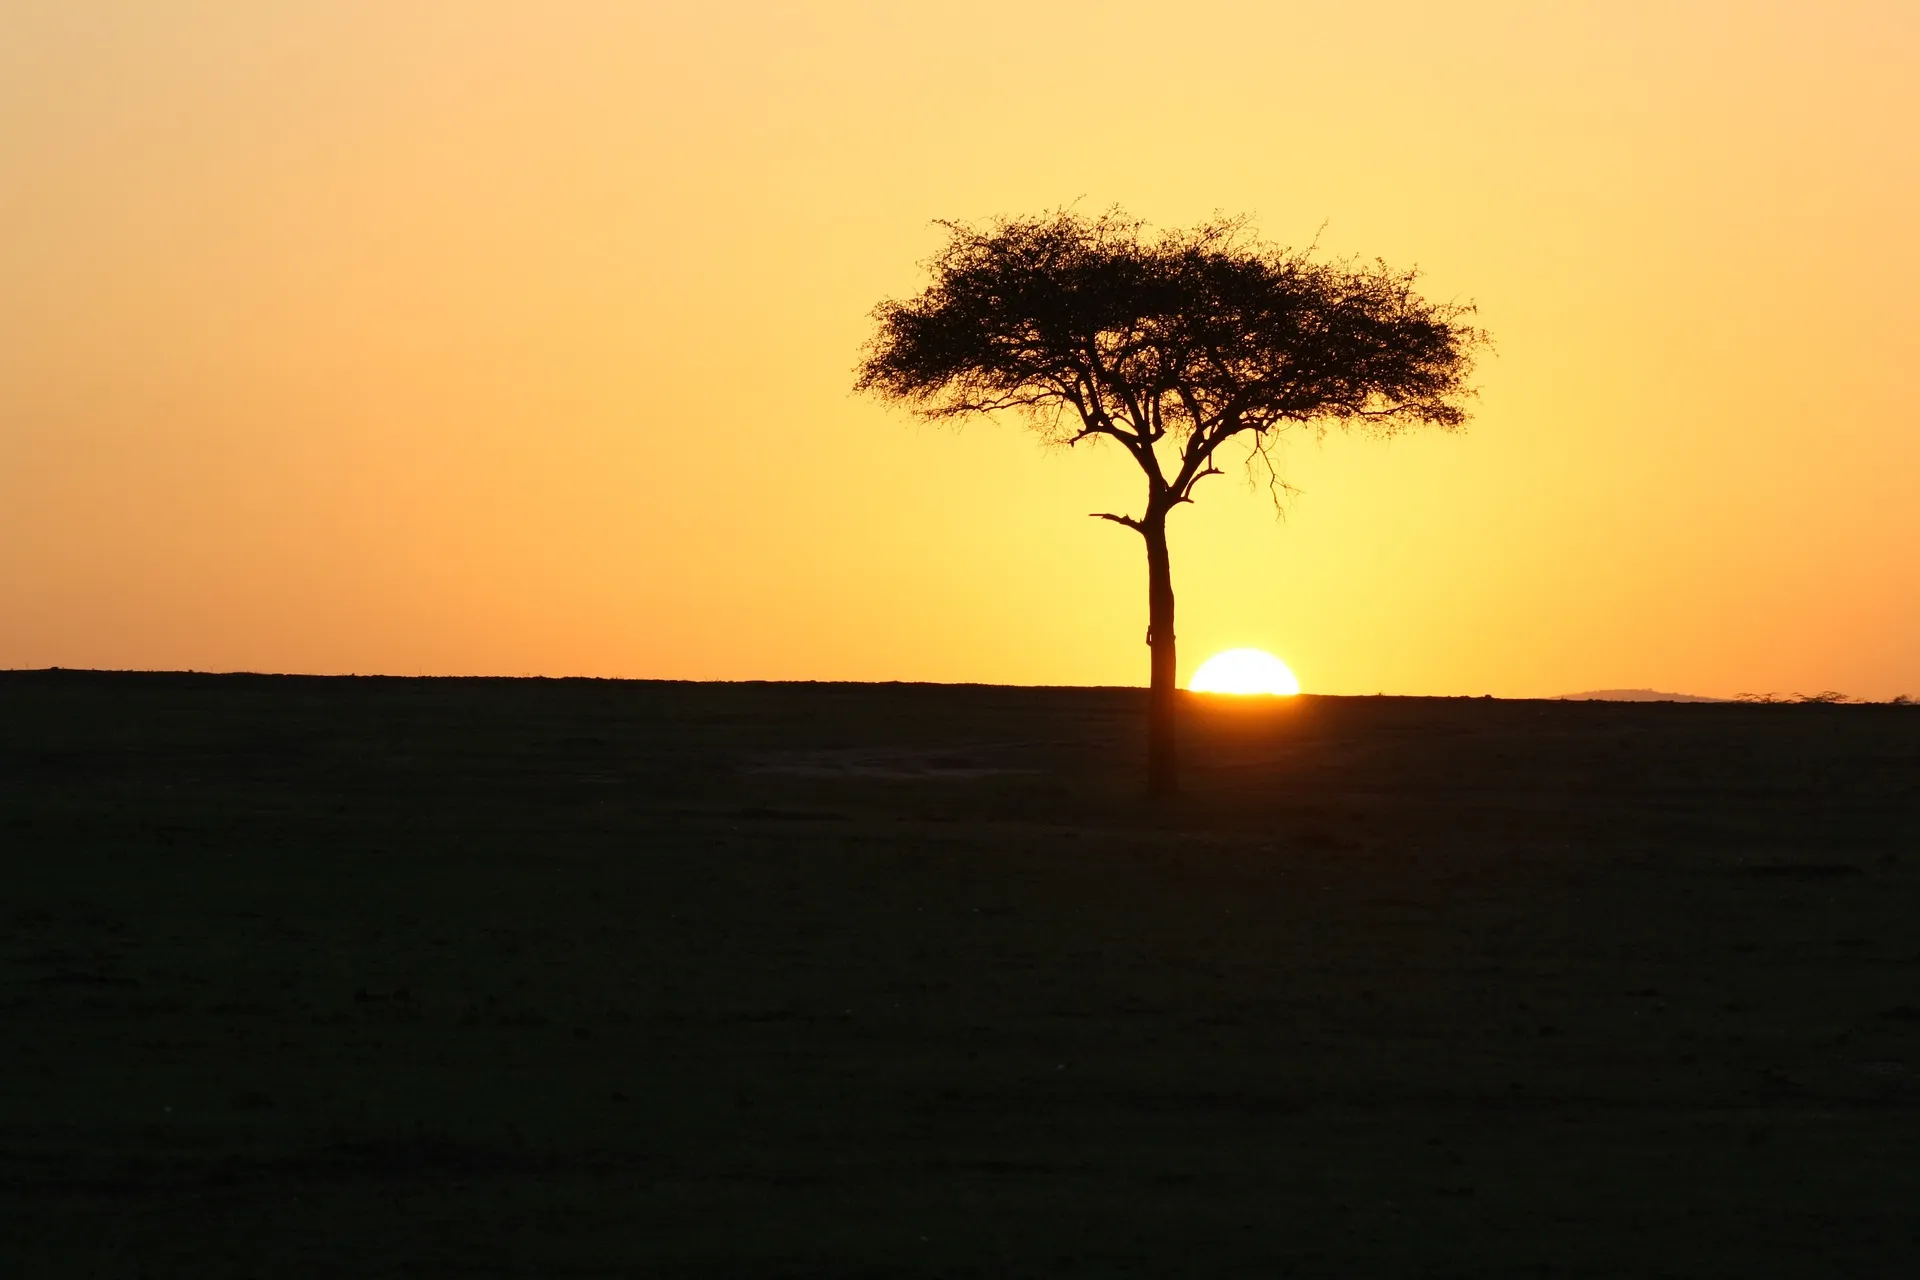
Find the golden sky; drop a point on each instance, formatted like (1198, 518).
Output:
(483, 337)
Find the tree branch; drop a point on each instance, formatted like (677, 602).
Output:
(1186, 490)
(1128, 521)
(1197, 459)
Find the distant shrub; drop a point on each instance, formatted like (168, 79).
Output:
(1826, 697)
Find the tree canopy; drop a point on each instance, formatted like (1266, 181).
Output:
(1094, 326)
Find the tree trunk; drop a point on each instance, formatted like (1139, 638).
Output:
(1163, 778)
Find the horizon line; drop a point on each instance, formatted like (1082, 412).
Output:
(1593, 695)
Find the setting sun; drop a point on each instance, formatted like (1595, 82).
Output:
(1244, 671)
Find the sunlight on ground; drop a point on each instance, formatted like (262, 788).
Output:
(1244, 671)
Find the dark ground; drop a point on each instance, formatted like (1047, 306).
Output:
(359, 977)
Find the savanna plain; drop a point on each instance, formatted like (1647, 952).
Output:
(376, 977)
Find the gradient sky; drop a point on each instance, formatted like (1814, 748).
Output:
(480, 337)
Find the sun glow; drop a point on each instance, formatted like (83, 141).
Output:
(1244, 671)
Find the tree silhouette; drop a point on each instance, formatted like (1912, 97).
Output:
(1170, 344)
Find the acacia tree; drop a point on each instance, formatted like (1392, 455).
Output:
(1169, 344)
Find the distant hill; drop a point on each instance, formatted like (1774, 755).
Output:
(1633, 695)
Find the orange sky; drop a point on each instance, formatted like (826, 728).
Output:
(514, 338)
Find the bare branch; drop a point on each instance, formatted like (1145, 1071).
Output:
(1278, 490)
(1128, 521)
